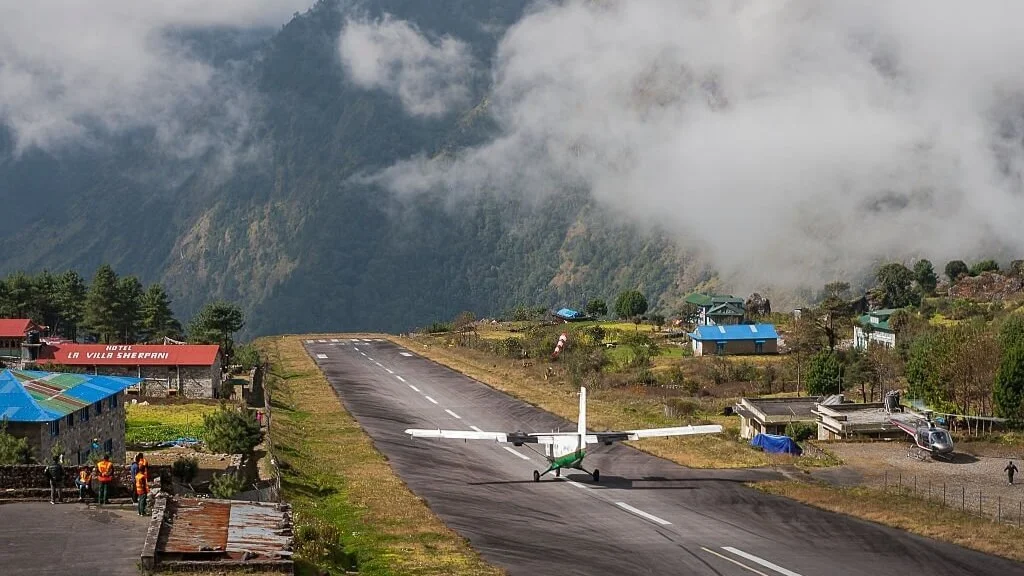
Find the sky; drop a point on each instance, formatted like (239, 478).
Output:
(790, 142)
(73, 72)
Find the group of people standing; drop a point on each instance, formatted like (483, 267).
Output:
(104, 477)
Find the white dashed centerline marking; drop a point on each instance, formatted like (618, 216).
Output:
(390, 371)
(570, 482)
(378, 363)
(431, 399)
(642, 514)
(370, 359)
(400, 378)
(760, 561)
(454, 415)
(414, 388)
(475, 428)
(364, 354)
(322, 341)
(356, 348)
(740, 564)
(322, 356)
(405, 354)
(334, 340)
(516, 453)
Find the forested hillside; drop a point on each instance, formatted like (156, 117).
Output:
(291, 236)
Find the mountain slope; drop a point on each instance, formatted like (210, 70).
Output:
(292, 237)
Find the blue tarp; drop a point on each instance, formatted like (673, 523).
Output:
(776, 444)
(569, 314)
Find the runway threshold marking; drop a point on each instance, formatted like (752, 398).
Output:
(454, 415)
(334, 340)
(736, 562)
(414, 388)
(642, 514)
(322, 356)
(761, 561)
(431, 399)
(524, 457)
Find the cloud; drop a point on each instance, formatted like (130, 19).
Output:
(790, 141)
(430, 77)
(75, 71)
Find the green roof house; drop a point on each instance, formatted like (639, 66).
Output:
(874, 327)
(717, 309)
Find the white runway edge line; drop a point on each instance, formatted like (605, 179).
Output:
(414, 388)
(642, 514)
(454, 415)
(322, 356)
(524, 457)
(760, 561)
(736, 562)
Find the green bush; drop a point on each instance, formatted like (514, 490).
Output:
(226, 485)
(247, 356)
(437, 328)
(510, 347)
(231, 431)
(683, 407)
(800, 431)
(13, 450)
(185, 468)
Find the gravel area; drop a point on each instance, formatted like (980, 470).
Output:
(959, 483)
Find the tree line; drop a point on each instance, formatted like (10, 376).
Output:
(971, 366)
(112, 309)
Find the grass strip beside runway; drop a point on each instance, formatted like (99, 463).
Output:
(342, 489)
(906, 513)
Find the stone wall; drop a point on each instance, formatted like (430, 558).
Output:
(76, 435)
(28, 482)
(169, 381)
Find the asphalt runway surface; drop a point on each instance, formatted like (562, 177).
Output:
(646, 516)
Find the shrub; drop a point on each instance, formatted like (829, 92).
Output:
(800, 431)
(226, 485)
(510, 347)
(13, 450)
(185, 468)
(231, 431)
(437, 328)
(682, 407)
(247, 356)
(745, 372)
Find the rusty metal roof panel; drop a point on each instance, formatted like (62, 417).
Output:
(196, 526)
(224, 529)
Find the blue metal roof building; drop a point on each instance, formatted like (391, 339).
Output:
(28, 396)
(735, 339)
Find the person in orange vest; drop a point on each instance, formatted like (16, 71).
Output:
(83, 482)
(141, 491)
(106, 476)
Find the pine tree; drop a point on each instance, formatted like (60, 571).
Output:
(1008, 393)
(216, 323)
(231, 431)
(128, 307)
(157, 318)
(101, 304)
(70, 300)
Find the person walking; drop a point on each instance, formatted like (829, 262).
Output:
(1010, 470)
(55, 473)
(141, 491)
(106, 476)
(133, 470)
(82, 482)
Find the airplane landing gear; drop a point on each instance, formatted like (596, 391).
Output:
(536, 476)
(596, 475)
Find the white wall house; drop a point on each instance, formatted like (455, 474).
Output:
(874, 327)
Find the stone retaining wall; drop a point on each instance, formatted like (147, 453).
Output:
(30, 482)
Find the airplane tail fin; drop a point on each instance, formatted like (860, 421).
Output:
(581, 427)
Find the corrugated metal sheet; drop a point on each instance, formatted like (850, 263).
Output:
(29, 396)
(14, 327)
(735, 332)
(131, 354)
(225, 529)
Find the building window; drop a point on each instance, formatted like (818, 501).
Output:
(83, 415)
(71, 420)
(99, 407)
(719, 347)
(758, 347)
(54, 428)
(108, 446)
(113, 402)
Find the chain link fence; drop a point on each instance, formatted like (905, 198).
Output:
(968, 499)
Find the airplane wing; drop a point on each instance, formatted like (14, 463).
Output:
(609, 437)
(517, 438)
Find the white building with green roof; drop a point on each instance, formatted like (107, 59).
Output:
(874, 327)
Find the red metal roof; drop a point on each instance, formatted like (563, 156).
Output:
(14, 327)
(131, 354)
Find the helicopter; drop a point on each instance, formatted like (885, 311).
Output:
(929, 439)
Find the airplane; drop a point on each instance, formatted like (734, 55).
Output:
(929, 439)
(565, 449)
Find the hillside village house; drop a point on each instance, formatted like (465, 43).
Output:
(72, 409)
(190, 370)
(772, 415)
(14, 334)
(735, 339)
(874, 327)
(716, 310)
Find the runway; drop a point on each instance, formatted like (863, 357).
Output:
(646, 516)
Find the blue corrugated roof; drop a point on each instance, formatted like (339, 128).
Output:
(735, 332)
(29, 396)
